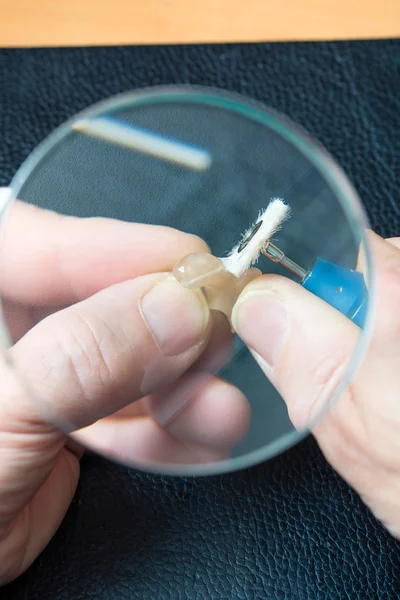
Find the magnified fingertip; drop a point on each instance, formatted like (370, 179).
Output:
(198, 244)
(218, 416)
(302, 344)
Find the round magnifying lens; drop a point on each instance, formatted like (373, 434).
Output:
(146, 164)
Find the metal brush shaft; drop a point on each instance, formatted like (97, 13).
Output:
(277, 256)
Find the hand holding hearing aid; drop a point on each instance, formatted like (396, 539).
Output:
(100, 329)
(133, 342)
(303, 338)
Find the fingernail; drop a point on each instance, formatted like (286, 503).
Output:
(176, 316)
(260, 318)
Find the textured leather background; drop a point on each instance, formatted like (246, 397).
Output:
(289, 529)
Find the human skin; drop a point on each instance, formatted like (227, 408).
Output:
(99, 327)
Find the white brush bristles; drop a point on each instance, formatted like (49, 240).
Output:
(240, 260)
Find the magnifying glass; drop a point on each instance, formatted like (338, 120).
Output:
(206, 162)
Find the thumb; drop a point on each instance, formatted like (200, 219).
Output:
(302, 344)
(93, 358)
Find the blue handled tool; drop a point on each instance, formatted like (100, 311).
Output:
(342, 288)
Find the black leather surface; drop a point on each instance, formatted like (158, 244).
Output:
(288, 529)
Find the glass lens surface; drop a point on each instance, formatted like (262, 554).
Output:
(202, 162)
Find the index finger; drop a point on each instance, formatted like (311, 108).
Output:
(50, 259)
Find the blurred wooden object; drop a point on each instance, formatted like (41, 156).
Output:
(117, 22)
